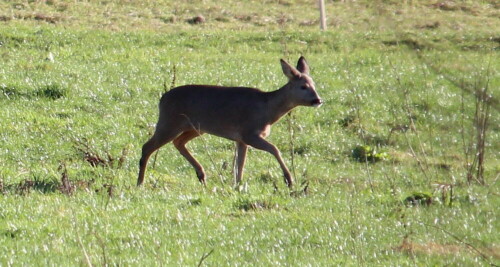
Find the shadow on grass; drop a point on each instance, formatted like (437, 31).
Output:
(50, 91)
(27, 186)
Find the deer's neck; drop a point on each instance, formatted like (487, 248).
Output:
(279, 104)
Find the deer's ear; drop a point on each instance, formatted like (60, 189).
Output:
(302, 65)
(289, 70)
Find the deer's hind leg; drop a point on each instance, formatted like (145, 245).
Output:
(180, 144)
(161, 137)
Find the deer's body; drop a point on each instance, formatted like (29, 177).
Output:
(206, 109)
(241, 114)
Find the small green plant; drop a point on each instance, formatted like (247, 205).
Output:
(347, 121)
(247, 204)
(195, 201)
(367, 154)
(418, 199)
(10, 91)
(52, 91)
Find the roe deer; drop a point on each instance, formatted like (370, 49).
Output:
(244, 115)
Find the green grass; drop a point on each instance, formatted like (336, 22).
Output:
(80, 77)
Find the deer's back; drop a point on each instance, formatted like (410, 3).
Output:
(193, 97)
(216, 109)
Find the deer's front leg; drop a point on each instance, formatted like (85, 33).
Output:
(260, 143)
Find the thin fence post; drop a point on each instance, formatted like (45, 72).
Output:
(322, 15)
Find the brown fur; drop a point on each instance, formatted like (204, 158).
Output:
(241, 114)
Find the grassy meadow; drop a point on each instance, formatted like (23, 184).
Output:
(411, 86)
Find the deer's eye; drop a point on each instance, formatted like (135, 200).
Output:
(304, 87)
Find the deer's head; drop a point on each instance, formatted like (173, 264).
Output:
(301, 87)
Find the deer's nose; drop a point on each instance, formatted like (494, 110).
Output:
(316, 102)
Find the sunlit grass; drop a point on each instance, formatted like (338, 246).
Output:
(95, 78)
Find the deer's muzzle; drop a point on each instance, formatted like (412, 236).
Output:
(316, 102)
